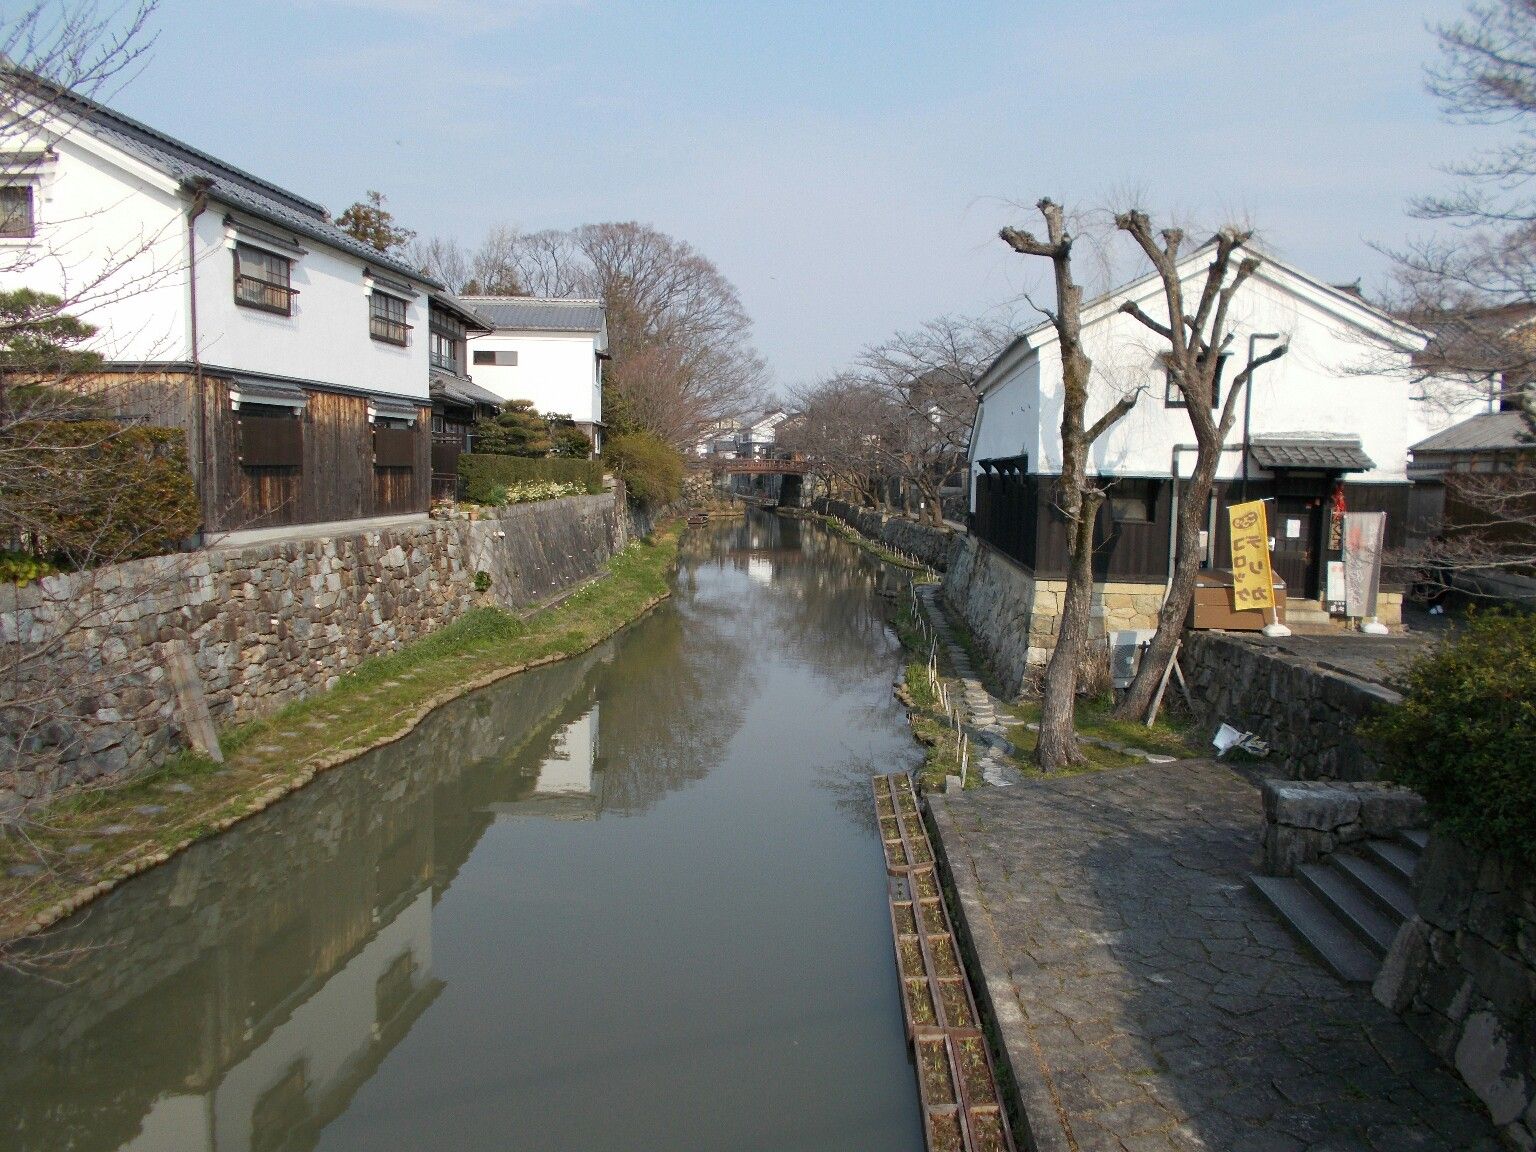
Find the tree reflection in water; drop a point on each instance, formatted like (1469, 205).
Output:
(241, 996)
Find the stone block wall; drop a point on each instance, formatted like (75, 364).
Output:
(1306, 820)
(1462, 974)
(1014, 615)
(933, 546)
(87, 694)
(1308, 715)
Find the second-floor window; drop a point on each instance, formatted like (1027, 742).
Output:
(263, 280)
(448, 336)
(386, 318)
(16, 219)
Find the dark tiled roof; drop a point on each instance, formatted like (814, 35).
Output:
(462, 390)
(538, 315)
(1490, 432)
(470, 315)
(1328, 455)
(229, 185)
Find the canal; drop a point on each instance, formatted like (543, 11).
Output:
(631, 901)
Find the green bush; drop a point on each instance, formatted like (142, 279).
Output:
(21, 568)
(571, 443)
(517, 430)
(1464, 737)
(88, 492)
(652, 470)
(487, 477)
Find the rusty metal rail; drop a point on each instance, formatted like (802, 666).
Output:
(957, 1085)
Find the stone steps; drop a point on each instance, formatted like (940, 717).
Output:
(1348, 909)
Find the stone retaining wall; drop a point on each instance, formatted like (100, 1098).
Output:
(933, 546)
(88, 694)
(1462, 974)
(1014, 615)
(1306, 820)
(1308, 715)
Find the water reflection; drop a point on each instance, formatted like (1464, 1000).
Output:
(607, 870)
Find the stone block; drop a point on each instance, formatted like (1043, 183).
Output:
(1483, 1059)
(1302, 804)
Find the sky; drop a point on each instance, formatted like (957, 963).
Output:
(846, 165)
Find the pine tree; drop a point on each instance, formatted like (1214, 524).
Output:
(372, 223)
(517, 430)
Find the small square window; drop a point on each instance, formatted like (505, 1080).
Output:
(263, 280)
(1133, 501)
(386, 318)
(1173, 398)
(16, 219)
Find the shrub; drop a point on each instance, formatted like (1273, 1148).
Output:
(1464, 737)
(488, 479)
(21, 568)
(571, 443)
(87, 492)
(517, 430)
(651, 469)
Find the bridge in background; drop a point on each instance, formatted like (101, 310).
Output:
(750, 466)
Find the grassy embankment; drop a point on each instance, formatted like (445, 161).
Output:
(1170, 736)
(874, 547)
(87, 842)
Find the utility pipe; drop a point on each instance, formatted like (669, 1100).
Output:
(1253, 339)
(198, 189)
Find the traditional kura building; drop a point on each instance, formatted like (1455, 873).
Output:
(295, 357)
(1327, 428)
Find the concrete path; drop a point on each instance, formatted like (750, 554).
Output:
(1145, 998)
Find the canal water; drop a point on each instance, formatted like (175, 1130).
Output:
(631, 901)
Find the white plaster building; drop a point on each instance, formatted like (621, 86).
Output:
(231, 307)
(550, 352)
(1331, 421)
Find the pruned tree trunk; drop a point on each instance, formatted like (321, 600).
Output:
(1077, 496)
(1195, 344)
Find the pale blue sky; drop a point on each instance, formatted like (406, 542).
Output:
(847, 165)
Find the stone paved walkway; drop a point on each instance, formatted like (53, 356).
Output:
(1147, 1001)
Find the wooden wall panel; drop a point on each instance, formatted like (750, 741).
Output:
(338, 459)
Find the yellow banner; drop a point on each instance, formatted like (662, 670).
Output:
(1253, 585)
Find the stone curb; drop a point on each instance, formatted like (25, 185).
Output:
(322, 763)
(1037, 1113)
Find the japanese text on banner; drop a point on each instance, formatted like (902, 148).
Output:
(1252, 583)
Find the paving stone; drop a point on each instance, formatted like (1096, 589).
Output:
(1155, 992)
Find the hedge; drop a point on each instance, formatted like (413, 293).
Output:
(652, 470)
(483, 473)
(1464, 736)
(91, 492)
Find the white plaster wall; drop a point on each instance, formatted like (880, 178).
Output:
(1008, 423)
(558, 371)
(112, 243)
(325, 340)
(1336, 380)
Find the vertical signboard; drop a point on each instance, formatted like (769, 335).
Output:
(1364, 534)
(1253, 585)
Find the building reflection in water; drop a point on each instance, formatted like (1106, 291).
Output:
(239, 997)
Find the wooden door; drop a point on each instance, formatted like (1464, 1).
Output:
(1296, 526)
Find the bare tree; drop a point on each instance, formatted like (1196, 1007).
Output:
(930, 376)
(1194, 342)
(443, 259)
(1078, 497)
(840, 424)
(494, 268)
(1472, 286)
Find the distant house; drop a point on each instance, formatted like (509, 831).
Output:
(758, 433)
(295, 357)
(550, 352)
(457, 401)
(1330, 428)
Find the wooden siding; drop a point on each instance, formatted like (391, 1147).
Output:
(337, 479)
(1016, 514)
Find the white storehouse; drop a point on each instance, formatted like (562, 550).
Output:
(1329, 428)
(231, 307)
(548, 351)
